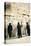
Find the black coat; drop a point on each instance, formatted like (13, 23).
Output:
(28, 29)
(19, 29)
(9, 28)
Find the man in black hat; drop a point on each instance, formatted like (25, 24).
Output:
(19, 30)
(28, 29)
(10, 30)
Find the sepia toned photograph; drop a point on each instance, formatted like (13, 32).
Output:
(17, 20)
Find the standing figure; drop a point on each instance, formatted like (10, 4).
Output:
(28, 29)
(10, 30)
(19, 30)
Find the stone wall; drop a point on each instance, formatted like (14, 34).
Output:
(17, 13)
